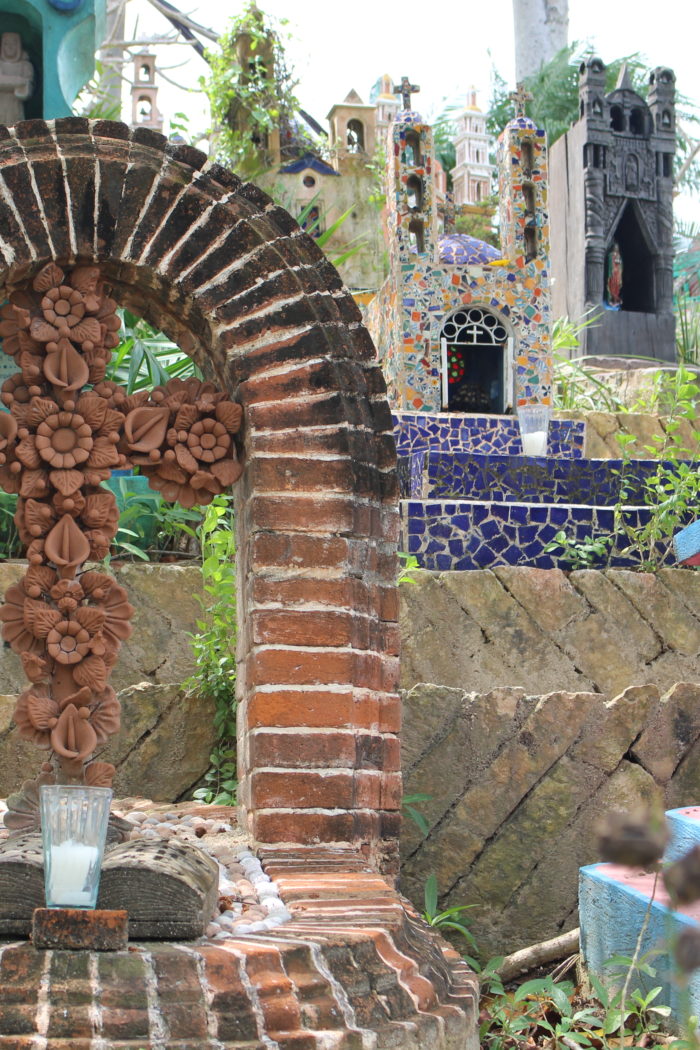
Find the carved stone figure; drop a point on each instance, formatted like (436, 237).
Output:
(16, 78)
(66, 430)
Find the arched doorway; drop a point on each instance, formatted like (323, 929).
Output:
(475, 364)
(231, 278)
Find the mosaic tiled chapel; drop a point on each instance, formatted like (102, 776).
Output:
(460, 325)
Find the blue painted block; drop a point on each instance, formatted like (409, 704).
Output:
(686, 543)
(684, 825)
(612, 904)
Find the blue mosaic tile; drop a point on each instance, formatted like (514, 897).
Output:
(452, 432)
(508, 534)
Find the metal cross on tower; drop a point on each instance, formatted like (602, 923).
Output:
(404, 89)
(520, 97)
(66, 430)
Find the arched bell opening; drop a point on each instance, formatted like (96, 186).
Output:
(476, 370)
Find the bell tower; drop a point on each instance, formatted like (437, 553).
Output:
(522, 183)
(411, 195)
(144, 93)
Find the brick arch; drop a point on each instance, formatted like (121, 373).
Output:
(231, 278)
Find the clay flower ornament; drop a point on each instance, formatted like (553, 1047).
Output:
(66, 430)
(182, 440)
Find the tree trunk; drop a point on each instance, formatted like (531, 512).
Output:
(541, 29)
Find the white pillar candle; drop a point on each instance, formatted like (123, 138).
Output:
(70, 874)
(535, 443)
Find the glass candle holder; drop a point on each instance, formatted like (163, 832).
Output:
(74, 829)
(534, 425)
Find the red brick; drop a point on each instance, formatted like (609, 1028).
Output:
(73, 929)
(280, 666)
(390, 714)
(300, 590)
(302, 750)
(303, 627)
(297, 826)
(313, 708)
(302, 789)
(309, 514)
(289, 473)
(275, 550)
(280, 1008)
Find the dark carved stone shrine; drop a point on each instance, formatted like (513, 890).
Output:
(611, 211)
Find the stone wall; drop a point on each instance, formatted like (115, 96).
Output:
(648, 430)
(544, 629)
(517, 787)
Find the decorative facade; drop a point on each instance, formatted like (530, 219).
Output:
(612, 215)
(472, 174)
(459, 325)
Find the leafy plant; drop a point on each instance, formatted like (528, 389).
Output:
(251, 90)
(10, 543)
(145, 357)
(408, 804)
(446, 919)
(322, 234)
(687, 330)
(150, 526)
(409, 562)
(587, 553)
(214, 647)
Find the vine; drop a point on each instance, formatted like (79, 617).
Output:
(251, 90)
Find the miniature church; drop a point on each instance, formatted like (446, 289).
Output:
(459, 325)
(612, 216)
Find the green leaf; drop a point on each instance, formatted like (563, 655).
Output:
(430, 895)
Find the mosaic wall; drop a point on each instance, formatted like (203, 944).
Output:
(498, 435)
(462, 535)
(528, 480)
(407, 315)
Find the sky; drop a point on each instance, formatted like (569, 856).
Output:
(445, 46)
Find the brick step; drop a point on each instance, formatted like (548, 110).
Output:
(613, 901)
(466, 534)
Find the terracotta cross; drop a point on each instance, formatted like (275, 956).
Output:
(66, 430)
(520, 98)
(404, 89)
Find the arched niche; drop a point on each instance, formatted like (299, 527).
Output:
(638, 262)
(414, 192)
(231, 278)
(475, 344)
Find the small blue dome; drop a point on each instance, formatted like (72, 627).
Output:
(460, 249)
(408, 116)
(521, 124)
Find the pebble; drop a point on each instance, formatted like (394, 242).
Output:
(256, 905)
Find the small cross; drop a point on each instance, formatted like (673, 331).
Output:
(404, 89)
(520, 97)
